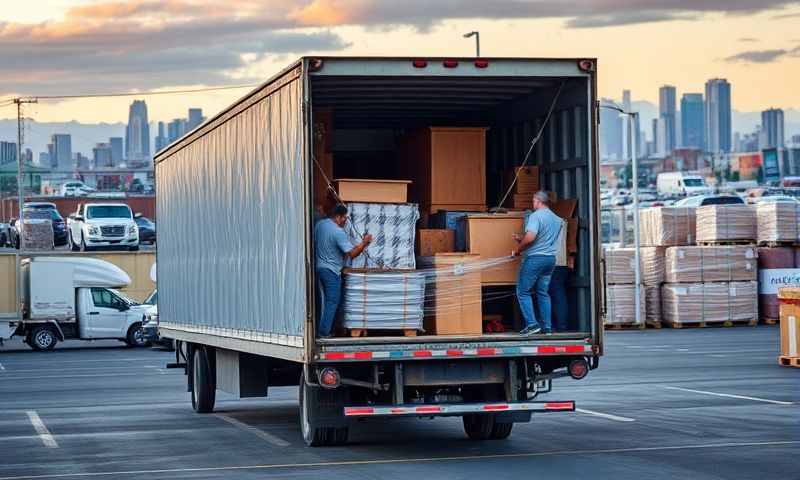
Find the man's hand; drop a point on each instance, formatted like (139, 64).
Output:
(517, 237)
(515, 253)
(366, 239)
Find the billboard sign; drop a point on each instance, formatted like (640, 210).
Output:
(772, 169)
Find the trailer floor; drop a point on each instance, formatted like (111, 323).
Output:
(699, 404)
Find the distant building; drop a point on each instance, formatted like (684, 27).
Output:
(195, 119)
(117, 150)
(772, 128)
(176, 129)
(137, 136)
(27, 156)
(103, 156)
(610, 132)
(796, 140)
(693, 132)
(666, 114)
(718, 115)
(8, 152)
(81, 161)
(44, 159)
(161, 138)
(60, 150)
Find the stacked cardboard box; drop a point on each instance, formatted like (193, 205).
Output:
(620, 265)
(383, 300)
(711, 263)
(789, 298)
(667, 226)
(726, 223)
(525, 185)
(431, 241)
(777, 222)
(621, 305)
(37, 234)
(710, 302)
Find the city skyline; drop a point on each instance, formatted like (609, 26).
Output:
(247, 44)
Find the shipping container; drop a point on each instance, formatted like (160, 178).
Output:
(241, 296)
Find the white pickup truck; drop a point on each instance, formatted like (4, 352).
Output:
(74, 298)
(96, 225)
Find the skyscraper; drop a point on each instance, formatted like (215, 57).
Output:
(195, 119)
(8, 152)
(772, 127)
(666, 113)
(693, 132)
(176, 129)
(103, 154)
(610, 133)
(116, 150)
(161, 138)
(137, 136)
(718, 115)
(60, 150)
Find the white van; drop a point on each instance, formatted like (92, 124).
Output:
(680, 183)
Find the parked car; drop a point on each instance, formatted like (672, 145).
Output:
(703, 200)
(3, 234)
(75, 189)
(150, 323)
(147, 229)
(773, 199)
(95, 225)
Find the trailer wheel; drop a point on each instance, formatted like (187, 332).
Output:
(204, 385)
(42, 338)
(479, 426)
(501, 431)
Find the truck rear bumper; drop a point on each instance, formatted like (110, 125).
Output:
(458, 409)
(428, 351)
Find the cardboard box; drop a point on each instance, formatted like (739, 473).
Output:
(711, 302)
(620, 265)
(711, 263)
(453, 301)
(564, 208)
(433, 241)
(789, 298)
(719, 223)
(778, 222)
(666, 226)
(527, 179)
(621, 305)
(491, 236)
(372, 191)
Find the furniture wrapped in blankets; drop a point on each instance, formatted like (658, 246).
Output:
(621, 305)
(665, 226)
(711, 302)
(620, 265)
(778, 222)
(383, 300)
(711, 263)
(726, 223)
(392, 226)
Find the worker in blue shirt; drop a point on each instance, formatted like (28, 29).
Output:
(538, 245)
(331, 247)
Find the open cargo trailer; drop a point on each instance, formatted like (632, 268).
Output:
(241, 295)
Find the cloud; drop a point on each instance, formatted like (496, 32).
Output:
(763, 56)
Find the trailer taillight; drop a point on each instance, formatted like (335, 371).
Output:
(450, 63)
(419, 63)
(578, 368)
(586, 65)
(481, 63)
(329, 377)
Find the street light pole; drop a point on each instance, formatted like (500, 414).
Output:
(477, 36)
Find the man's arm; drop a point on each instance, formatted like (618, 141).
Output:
(525, 241)
(348, 249)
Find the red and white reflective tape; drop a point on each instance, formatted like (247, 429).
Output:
(457, 352)
(415, 410)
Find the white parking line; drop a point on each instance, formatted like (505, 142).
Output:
(605, 415)
(278, 442)
(742, 397)
(41, 429)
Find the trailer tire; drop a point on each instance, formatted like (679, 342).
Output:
(501, 431)
(204, 385)
(479, 426)
(42, 338)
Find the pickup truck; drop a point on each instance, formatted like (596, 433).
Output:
(109, 225)
(74, 298)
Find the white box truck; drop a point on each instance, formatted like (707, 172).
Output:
(65, 297)
(240, 297)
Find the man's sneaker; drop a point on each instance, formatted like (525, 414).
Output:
(548, 332)
(530, 330)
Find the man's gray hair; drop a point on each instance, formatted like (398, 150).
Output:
(542, 196)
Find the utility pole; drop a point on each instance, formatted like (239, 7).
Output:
(20, 198)
(477, 36)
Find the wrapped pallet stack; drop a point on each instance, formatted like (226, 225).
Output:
(777, 223)
(621, 306)
(726, 223)
(667, 226)
(383, 300)
(620, 266)
(778, 235)
(789, 298)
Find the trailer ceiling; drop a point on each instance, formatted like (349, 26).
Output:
(404, 102)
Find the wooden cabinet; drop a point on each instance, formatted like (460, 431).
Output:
(448, 167)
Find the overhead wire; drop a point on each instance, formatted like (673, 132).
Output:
(139, 94)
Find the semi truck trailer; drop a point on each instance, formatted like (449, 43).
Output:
(240, 297)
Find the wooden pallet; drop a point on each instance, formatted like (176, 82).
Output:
(655, 325)
(785, 361)
(363, 332)
(770, 321)
(778, 244)
(717, 243)
(726, 323)
(625, 326)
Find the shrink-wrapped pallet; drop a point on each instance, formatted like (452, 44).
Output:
(37, 234)
(392, 226)
(383, 300)
(620, 265)
(711, 263)
(724, 223)
(665, 226)
(652, 304)
(621, 305)
(778, 222)
(713, 302)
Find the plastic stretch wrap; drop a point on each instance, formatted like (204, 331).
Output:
(776, 270)
(383, 300)
(712, 263)
(621, 305)
(392, 226)
(620, 265)
(778, 222)
(246, 277)
(652, 304)
(717, 223)
(665, 226)
(709, 302)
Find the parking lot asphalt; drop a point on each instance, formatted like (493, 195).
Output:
(664, 404)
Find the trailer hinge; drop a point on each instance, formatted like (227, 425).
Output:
(306, 112)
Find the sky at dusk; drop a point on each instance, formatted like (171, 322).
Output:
(73, 47)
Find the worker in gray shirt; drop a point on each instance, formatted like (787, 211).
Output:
(331, 246)
(538, 245)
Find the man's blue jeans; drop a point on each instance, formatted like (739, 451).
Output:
(558, 297)
(331, 285)
(534, 275)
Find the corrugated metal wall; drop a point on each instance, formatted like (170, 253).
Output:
(231, 210)
(8, 285)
